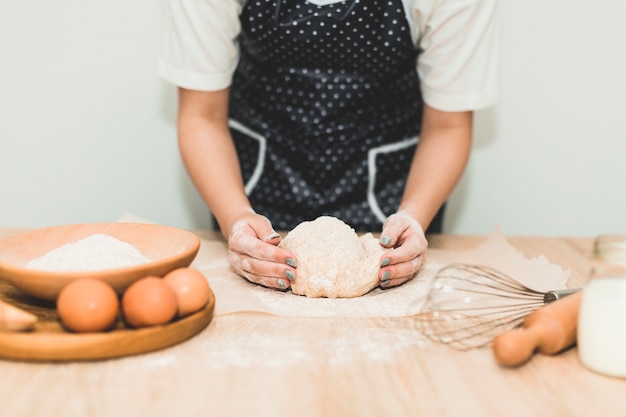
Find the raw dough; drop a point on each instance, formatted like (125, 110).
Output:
(333, 261)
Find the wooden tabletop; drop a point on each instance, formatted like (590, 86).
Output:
(251, 364)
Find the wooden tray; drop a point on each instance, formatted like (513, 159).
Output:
(49, 341)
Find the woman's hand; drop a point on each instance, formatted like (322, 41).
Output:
(405, 236)
(253, 253)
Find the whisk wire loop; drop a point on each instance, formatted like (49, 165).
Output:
(468, 305)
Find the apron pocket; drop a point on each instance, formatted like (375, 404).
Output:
(251, 148)
(388, 166)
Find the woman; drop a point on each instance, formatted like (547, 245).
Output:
(291, 109)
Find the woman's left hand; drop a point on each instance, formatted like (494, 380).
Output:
(405, 236)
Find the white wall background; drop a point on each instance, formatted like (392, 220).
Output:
(87, 129)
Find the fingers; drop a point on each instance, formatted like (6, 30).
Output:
(253, 253)
(392, 230)
(255, 227)
(394, 274)
(273, 272)
(405, 235)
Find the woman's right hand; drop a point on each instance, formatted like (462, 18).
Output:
(253, 253)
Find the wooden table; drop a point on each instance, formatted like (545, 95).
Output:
(260, 365)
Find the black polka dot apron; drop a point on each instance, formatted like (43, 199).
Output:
(325, 109)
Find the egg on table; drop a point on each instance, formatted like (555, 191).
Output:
(191, 288)
(87, 305)
(149, 302)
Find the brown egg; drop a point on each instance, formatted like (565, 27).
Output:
(191, 288)
(88, 305)
(148, 302)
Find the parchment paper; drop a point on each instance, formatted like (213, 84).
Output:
(235, 294)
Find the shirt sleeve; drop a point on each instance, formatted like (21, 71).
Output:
(199, 47)
(458, 65)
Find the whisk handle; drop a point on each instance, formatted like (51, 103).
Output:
(550, 330)
(554, 295)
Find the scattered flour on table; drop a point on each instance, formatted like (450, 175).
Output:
(273, 348)
(93, 253)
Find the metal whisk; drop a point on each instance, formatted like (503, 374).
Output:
(468, 305)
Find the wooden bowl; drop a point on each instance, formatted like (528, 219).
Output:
(167, 247)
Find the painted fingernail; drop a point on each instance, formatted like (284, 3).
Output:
(385, 276)
(385, 240)
(385, 262)
(290, 275)
(385, 282)
(291, 262)
(282, 283)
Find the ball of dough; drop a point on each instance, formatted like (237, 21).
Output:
(333, 261)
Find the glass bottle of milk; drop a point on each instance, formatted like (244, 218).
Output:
(602, 317)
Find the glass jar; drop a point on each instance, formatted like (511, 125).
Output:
(609, 256)
(602, 316)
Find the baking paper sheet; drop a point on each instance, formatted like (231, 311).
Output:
(235, 294)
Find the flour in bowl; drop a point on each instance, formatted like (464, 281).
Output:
(93, 253)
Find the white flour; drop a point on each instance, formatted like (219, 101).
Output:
(280, 347)
(95, 252)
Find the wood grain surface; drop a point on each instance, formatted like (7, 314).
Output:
(251, 364)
